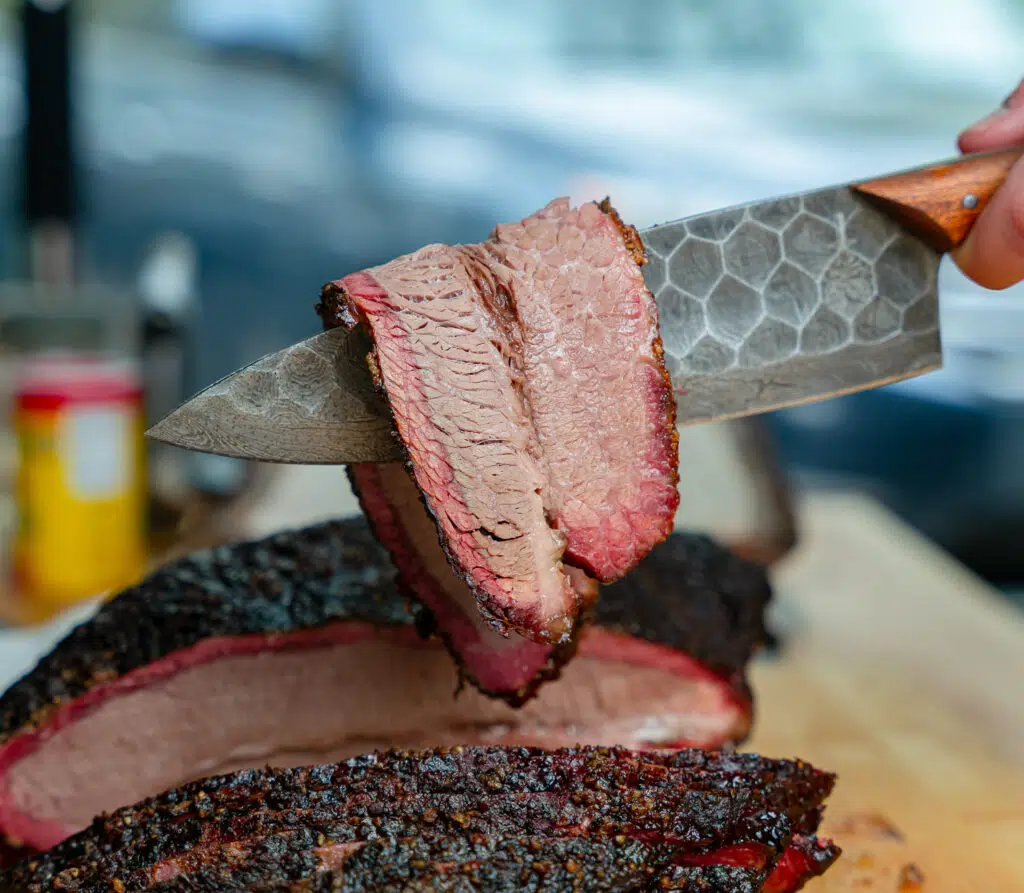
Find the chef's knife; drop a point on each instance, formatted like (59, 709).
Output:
(762, 306)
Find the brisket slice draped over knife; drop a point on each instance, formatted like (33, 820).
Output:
(498, 818)
(298, 648)
(526, 380)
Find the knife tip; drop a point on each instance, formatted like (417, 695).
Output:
(167, 430)
(157, 431)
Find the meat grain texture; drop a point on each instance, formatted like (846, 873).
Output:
(526, 380)
(467, 818)
(298, 649)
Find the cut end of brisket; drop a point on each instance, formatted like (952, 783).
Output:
(298, 648)
(526, 380)
(489, 818)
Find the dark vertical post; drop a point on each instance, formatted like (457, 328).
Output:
(49, 194)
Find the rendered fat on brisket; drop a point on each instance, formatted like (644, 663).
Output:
(267, 828)
(298, 648)
(526, 380)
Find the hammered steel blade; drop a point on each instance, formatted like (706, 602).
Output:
(312, 403)
(783, 302)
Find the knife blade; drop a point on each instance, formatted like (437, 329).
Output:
(312, 403)
(762, 306)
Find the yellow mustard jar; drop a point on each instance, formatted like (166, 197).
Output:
(80, 481)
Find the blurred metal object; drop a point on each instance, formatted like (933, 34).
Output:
(167, 296)
(733, 487)
(49, 197)
(773, 532)
(52, 253)
(190, 495)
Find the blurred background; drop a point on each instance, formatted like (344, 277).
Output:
(225, 158)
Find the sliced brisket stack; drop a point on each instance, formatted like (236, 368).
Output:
(468, 818)
(527, 385)
(298, 648)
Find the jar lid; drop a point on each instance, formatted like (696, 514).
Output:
(50, 380)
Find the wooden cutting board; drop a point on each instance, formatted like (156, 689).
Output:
(905, 674)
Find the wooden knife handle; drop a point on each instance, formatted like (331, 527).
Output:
(940, 202)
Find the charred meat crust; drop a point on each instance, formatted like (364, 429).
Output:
(483, 865)
(12, 853)
(289, 581)
(666, 397)
(630, 237)
(334, 307)
(804, 859)
(794, 787)
(705, 580)
(292, 861)
(698, 803)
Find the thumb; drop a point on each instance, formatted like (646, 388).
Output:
(992, 255)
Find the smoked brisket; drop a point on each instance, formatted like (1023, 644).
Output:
(299, 648)
(467, 809)
(526, 381)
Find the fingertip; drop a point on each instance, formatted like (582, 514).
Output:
(966, 142)
(1004, 127)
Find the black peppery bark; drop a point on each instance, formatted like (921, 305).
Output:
(696, 596)
(286, 818)
(482, 865)
(794, 787)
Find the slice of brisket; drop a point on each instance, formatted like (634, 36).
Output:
(526, 381)
(506, 666)
(298, 648)
(272, 828)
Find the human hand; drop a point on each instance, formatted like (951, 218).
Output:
(993, 252)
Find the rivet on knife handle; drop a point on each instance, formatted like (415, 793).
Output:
(940, 202)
